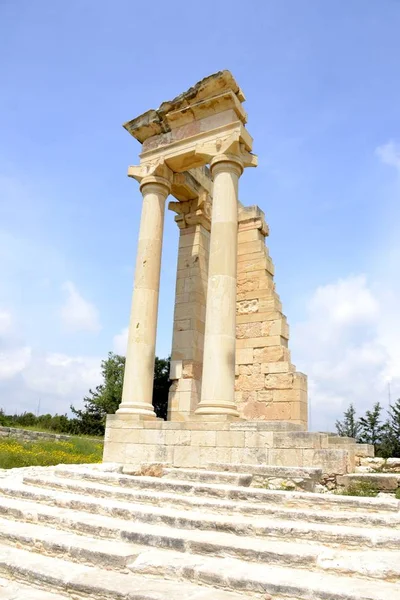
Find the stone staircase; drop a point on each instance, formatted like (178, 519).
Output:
(94, 532)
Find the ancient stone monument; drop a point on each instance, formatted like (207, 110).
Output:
(236, 396)
(247, 522)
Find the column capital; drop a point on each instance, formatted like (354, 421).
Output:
(157, 182)
(227, 162)
(156, 173)
(193, 212)
(229, 148)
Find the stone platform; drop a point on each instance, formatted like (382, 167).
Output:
(197, 443)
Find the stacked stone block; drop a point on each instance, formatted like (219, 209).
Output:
(268, 387)
(190, 308)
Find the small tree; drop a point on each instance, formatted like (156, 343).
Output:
(349, 427)
(391, 441)
(105, 399)
(371, 427)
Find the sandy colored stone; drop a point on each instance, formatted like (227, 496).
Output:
(271, 354)
(246, 307)
(278, 381)
(276, 367)
(261, 342)
(249, 330)
(244, 356)
(249, 369)
(250, 382)
(259, 317)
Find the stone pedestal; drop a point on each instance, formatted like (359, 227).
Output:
(198, 443)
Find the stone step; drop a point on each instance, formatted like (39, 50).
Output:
(241, 478)
(289, 499)
(225, 507)
(304, 477)
(12, 590)
(288, 582)
(73, 580)
(109, 554)
(117, 555)
(194, 532)
(384, 482)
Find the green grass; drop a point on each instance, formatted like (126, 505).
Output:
(360, 488)
(16, 453)
(397, 494)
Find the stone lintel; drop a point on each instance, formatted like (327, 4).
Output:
(185, 149)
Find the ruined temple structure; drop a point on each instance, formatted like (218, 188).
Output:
(236, 397)
(223, 501)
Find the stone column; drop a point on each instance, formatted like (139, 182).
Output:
(139, 367)
(218, 383)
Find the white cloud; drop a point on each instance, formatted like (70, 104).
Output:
(389, 154)
(346, 348)
(5, 321)
(78, 314)
(28, 375)
(62, 376)
(14, 361)
(120, 342)
(56, 380)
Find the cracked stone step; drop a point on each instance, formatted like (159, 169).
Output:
(97, 490)
(305, 477)
(236, 479)
(74, 580)
(289, 499)
(377, 564)
(11, 590)
(238, 524)
(109, 554)
(278, 581)
(280, 546)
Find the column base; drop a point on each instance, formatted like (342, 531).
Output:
(141, 412)
(218, 418)
(217, 409)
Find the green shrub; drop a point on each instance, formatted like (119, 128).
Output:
(397, 494)
(360, 488)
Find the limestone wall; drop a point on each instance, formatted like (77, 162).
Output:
(26, 435)
(268, 387)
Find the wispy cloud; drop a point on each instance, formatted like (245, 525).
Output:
(77, 314)
(389, 154)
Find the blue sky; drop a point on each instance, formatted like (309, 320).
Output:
(323, 96)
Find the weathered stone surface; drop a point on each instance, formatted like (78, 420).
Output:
(86, 532)
(384, 482)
